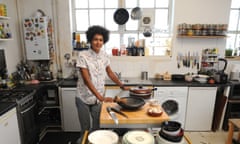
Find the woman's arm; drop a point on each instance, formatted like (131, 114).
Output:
(114, 78)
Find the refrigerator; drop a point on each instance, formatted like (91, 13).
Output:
(38, 38)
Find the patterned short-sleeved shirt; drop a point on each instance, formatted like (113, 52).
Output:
(96, 64)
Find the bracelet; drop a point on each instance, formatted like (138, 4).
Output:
(122, 87)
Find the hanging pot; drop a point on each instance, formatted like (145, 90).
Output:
(121, 16)
(147, 32)
(136, 13)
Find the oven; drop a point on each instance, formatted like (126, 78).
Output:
(26, 113)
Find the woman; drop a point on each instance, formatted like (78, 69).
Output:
(93, 64)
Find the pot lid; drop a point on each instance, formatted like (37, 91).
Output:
(121, 16)
(140, 90)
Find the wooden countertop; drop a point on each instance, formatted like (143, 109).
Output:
(136, 119)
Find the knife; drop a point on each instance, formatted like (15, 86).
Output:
(113, 115)
(119, 112)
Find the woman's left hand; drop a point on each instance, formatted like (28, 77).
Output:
(125, 88)
(108, 99)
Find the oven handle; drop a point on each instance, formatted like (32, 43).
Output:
(26, 110)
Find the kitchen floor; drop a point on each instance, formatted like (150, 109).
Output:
(218, 137)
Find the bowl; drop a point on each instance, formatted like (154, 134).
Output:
(201, 78)
(171, 127)
(172, 138)
(188, 78)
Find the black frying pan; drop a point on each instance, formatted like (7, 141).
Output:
(131, 103)
(121, 16)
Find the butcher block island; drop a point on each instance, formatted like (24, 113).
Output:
(140, 118)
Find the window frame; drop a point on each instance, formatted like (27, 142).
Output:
(236, 46)
(122, 28)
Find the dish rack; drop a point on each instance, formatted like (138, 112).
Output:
(85, 139)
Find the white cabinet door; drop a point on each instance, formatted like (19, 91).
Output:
(9, 130)
(70, 120)
(200, 108)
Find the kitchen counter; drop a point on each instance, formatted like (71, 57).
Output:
(136, 119)
(6, 106)
(156, 82)
(150, 82)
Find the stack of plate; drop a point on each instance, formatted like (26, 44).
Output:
(161, 140)
(103, 136)
(138, 137)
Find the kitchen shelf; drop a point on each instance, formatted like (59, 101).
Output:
(186, 36)
(4, 17)
(7, 39)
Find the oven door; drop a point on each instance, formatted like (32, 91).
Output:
(28, 125)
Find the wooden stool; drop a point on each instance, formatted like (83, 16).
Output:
(233, 123)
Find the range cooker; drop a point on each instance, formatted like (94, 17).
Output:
(26, 112)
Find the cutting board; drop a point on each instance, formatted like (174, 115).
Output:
(137, 117)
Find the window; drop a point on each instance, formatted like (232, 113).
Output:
(86, 13)
(233, 42)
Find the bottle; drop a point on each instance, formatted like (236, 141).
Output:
(8, 31)
(74, 39)
(78, 43)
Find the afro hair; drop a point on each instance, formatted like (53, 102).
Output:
(93, 30)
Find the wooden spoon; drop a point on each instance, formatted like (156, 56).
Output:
(118, 99)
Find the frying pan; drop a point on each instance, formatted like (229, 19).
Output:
(121, 16)
(131, 103)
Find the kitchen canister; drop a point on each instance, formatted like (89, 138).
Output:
(144, 75)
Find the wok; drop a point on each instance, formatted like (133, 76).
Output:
(130, 103)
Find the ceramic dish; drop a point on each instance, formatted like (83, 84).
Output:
(154, 112)
(100, 136)
(161, 140)
(138, 137)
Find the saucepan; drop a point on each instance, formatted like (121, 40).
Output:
(130, 103)
(140, 91)
(136, 13)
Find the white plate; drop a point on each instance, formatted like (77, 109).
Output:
(138, 137)
(100, 136)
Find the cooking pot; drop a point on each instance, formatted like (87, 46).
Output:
(121, 16)
(141, 91)
(130, 103)
(147, 32)
(171, 131)
(136, 13)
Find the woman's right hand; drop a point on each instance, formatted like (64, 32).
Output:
(108, 99)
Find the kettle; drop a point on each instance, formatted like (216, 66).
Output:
(220, 76)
